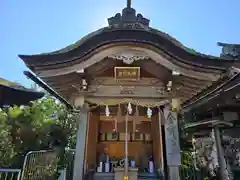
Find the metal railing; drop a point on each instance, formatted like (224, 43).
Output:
(62, 174)
(70, 155)
(188, 169)
(10, 174)
(38, 164)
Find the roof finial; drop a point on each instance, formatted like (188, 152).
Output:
(129, 3)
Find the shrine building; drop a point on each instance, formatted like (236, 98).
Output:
(12, 93)
(128, 82)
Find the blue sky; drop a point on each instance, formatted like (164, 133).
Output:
(31, 26)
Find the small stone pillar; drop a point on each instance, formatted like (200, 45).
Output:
(172, 143)
(78, 171)
(220, 153)
(224, 174)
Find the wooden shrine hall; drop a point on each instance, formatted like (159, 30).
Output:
(12, 93)
(127, 81)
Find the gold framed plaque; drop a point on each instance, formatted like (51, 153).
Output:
(127, 73)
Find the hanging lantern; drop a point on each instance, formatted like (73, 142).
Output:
(149, 112)
(129, 108)
(107, 112)
(175, 105)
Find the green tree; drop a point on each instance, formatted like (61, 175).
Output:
(6, 146)
(45, 124)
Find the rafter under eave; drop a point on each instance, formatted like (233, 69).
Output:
(225, 87)
(48, 89)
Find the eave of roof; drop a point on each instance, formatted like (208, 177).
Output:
(108, 35)
(12, 93)
(48, 89)
(227, 44)
(204, 123)
(53, 93)
(9, 83)
(229, 83)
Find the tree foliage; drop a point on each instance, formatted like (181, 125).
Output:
(44, 125)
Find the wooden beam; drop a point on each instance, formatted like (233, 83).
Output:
(63, 82)
(66, 76)
(186, 89)
(190, 80)
(65, 88)
(63, 79)
(155, 69)
(184, 95)
(192, 85)
(102, 66)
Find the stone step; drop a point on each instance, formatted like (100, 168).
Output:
(103, 176)
(148, 176)
(141, 176)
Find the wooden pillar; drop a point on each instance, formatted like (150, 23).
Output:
(156, 136)
(172, 143)
(160, 123)
(79, 160)
(92, 138)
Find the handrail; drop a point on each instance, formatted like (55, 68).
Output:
(26, 157)
(10, 170)
(10, 173)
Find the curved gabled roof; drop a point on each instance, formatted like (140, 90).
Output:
(109, 35)
(125, 27)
